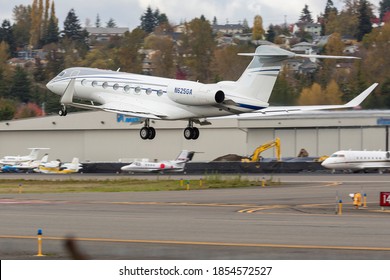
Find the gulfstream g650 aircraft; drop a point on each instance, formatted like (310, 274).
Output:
(148, 97)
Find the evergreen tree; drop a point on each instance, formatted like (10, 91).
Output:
(97, 21)
(148, 21)
(52, 32)
(306, 15)
(111, 23)
(6, 35)
(365, 25)
(72, 27)
(74, 36)
(271, 34)
(20, 89)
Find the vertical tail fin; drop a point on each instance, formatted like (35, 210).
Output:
(184, 156)
(260, 76)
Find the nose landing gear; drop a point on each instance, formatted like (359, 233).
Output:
(63, 112)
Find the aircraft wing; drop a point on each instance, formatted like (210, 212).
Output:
(122, 108)
(281, 110)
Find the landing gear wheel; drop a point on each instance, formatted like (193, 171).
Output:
(188, 133)
(63, 112)
(144, 133)
(147, 133)
(191, 133)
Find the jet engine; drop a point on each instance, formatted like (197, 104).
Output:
(196, 94)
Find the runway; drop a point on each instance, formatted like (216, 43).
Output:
(294, 220)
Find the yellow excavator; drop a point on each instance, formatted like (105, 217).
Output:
(256, 154)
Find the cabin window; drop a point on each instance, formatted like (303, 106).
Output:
(84, 82)
(159, 92)
(61, 74)
(127, 88)
(137, 90)
(115, 87)
(105, 85)
(148, 91)
(94, 83)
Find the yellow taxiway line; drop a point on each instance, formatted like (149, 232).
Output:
(205, 243)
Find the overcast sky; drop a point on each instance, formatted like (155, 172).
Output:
(126, 13)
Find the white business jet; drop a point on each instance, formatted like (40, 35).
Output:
(148, 97)
(24, 166)
(176, 165)
(358, 160)
(14, 160)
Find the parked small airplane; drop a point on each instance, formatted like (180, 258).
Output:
(56, 167)
(176, 165)
(148, 97)
(24, 166)
(358, 160)
(14, 160)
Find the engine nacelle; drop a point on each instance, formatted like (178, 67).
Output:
(196, 94)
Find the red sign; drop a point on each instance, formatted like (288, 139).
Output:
(384, 199)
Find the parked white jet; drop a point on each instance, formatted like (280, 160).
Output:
(56, 167)
(14, 160)
(176, 165)
(148, 97)
(24, 166)
(358, 160)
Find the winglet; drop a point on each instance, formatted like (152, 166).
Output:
(360, 98)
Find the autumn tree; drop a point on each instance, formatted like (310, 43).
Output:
(36, 23)
(163, 56)
(200, 46)
(7, 109)
(258, 30)
(329, 14)
(334, 46)
(22, 24)
(316, 95)
(127, 56)
(227, 65)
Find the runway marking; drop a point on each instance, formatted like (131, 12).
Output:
(29, 201)
(333, 184)
(205, 243)
(183, 204)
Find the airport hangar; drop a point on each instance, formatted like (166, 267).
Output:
(106, 137)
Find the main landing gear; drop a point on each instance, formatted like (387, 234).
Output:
(191, 132)
(63, 112)
(147, 132)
